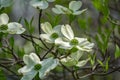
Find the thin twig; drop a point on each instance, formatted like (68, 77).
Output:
(47, 53)
(8, 69)
(39, 21)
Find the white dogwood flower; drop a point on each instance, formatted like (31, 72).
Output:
(69, 41)
(74, 59)
(34, 66)
(41, 4)
(73, 9)
(12, 27)
(50, 33)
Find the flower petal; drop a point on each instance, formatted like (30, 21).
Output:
(25, 69)
(35, 58)
(81, 40)
(47, 38)
(57, 11)
(68, 61)
(15, 28)
(4, 19)
(82, 63)
(79, 12)
(89, 46)
(85, 46)
(39, 4)
(76, 55)
(28, 61)
(47, 27)
(62, 44)
(30, 75)
(75, 5)
(67, 31)
(57, 29)
(31, 60)
(61, 10)
(47, 65)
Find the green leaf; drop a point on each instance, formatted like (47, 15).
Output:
(102, 6)
(107, 64)
(92, 59)
(20, 51)
(100, 62)
(29, 26)
(11, 40)
(117, 52)
(47, 65)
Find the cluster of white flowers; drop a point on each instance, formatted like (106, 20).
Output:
(61, 36)
(12, 27)
(73, 9)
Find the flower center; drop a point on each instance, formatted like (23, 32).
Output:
(37, 67)
(3, 27)
(54, 35)
(74, 42)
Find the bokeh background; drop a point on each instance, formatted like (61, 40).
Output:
(87, 23)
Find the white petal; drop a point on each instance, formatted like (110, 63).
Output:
(89, 46)
(47, 38)
(82, 63)
(30, 75)
(61, 10)
(46, 27)
(62, 44)
(28, 61)
(56, 10)
(81, 40)
(86, 46)
(50, 0)
(68, 61)
(76, 55)
(4, 19)
(79, 12)
(39, 4)
(67, 32)
(75, 5)
(47, 65)
(35, 58)
(57, 29)
(25, 70)
(15, 28)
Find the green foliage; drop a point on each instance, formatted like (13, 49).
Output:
(11, 40)
(29, 26)
(2, 75)
(102, 6)
(102, 38)
(53, 19)
(117, 52)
